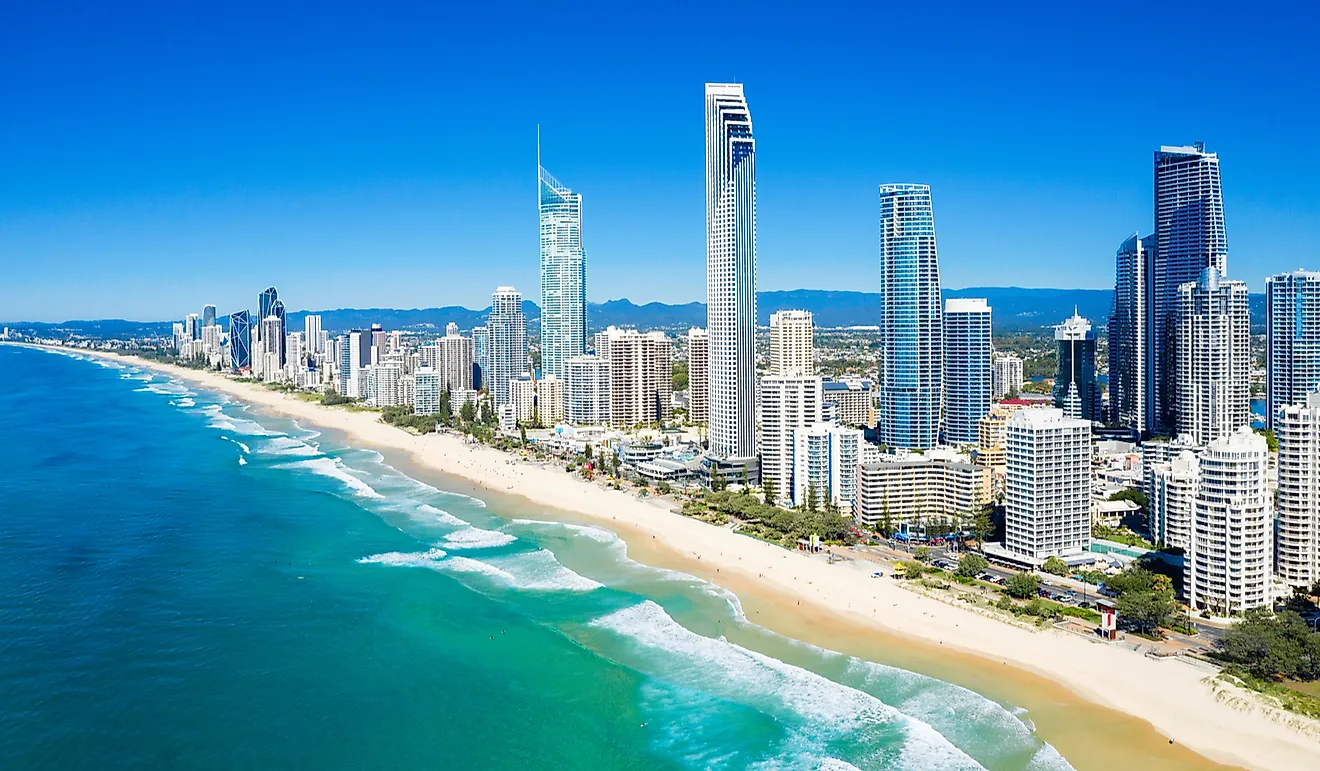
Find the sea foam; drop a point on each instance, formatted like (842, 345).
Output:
(334, 469)
(476, 538)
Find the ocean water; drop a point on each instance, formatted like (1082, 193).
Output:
(187, 584)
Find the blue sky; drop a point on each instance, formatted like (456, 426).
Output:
(157, 157)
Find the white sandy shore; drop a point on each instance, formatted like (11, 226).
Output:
(1169, 694)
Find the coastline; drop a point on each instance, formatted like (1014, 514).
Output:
(842, 610)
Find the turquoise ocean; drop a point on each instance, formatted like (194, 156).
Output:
(185, 583)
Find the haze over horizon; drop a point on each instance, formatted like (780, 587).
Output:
(162, 157)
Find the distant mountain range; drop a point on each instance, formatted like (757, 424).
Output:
(1013, 309)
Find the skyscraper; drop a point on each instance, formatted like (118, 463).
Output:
(1228, 566)
(1292, 357)
(240, 344)
(312, 332)
(563, 275)
(1213, 367)
(788, 402)
(731, 271)
(1006, 377)
(1129, 334)
(480, 356)
(792, 345)
(1298, 429)
(698, 375)
(208, 316)
(587, 391)
(641, 388)
(508, 342)
(276, 312)
(967, 352)
(1076, 391)
(1047, 491)
(911, 319)
(265, 302)
(1189, 237)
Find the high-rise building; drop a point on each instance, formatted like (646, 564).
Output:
(563, 275)
(1189, 237)
(1129, 334)
(1298, 428)
(312, 333)
(587, 391)
(277, 312)
(825, 458)
(1214, 358)
(641, 387)
(1076, 390)
(208, 316)
(240, 344)
(731, 272)
(1006, 377)
(1227, 569)
(932, 493)
(849, 401)
(698, 375)
(537, 402)
(480, 355)
(192, 327)
(359, 358)
(1172, 488)
(1047, 488)
(967, 372)
(380, 343)
(344, 365)
(911, 319)
(788, 402)
(273, 341)
(508, 342)
(453, 357)
(265, 305)
(427, 389)
(1292, 356)
(792, 343)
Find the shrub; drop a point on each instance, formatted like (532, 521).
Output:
(970, 565)
(1055, 566)
(1022, 585)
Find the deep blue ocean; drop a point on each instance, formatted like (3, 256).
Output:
(187, 584)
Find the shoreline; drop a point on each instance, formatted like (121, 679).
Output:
(1162, 708)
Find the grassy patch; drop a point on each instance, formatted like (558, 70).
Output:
(1301, 698)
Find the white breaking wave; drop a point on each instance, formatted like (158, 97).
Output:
(334, 468)
(540, 571)
(440, 515)
(242, 461)
(283, 445)
(424, 559)
(831, 711)
(185, 403)
(476, 538)
(599, 534)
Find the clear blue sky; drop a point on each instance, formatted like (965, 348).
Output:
(157, 157)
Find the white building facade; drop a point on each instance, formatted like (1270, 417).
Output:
(787, 404)
(1298, 552)
(1047, 488)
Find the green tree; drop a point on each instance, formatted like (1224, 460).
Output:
(982, 526)
(768, 490)
(678, 378)
(1270, 440)
(716, 478)
(663, 488)
(921, 553)
(1273, 647)
(1055, 567)
(912, 569)
(1022, 585)
(971, 564)
(522, 435)
(1146, 609)
(810, 504)
(467, 413)
(586, 451)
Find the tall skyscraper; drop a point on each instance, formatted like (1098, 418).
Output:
(208, 316)
(1129, 334)
(240, 344)
(1189, 237)
(911, 319)
(1047, 491)
(192, 327)
(1228, 566)
(312, 333)
(967, 352)
(276, 312)
(792, 343)
(1298, 428)
(641, 387)
(731, 271)
(1213, 368)
(508, 342)
(480, 356)
(265, 302)
(788, 402)
(453, 360)
(587, 391)
(1076, 391)
(563, 274)
(698, 375)
(1292, 357)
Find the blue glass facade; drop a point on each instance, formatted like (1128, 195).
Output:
(240, 341)
(967, 369)
(911, 319)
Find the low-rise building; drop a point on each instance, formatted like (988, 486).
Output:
(918, 491)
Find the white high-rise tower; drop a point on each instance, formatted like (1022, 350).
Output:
(563, 275)
(731, 270)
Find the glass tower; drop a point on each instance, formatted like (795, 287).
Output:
(1292, 356)
(507, 329)
(967, 352)
(911, 322)
(1129, 384)
(1189, 237)
(563, 276)
(277, 310)
(240, 341)
(731, 270)
(265, 302)
(1076, 391)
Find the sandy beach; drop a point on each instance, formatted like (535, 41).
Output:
(1172, 696)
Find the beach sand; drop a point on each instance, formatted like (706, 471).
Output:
(1099, 704)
